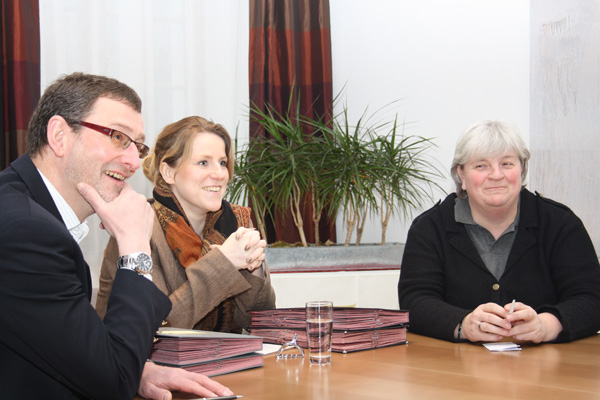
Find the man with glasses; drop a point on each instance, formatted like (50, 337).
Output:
(85, 139)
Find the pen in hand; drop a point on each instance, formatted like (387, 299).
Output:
(220, 398)
(512, 307)
(512, 310)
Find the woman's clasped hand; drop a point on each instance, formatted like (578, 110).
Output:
(244, 248)
(490, 322)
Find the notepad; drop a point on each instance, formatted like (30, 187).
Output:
(502, 346)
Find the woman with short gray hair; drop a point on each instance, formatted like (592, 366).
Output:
(494, 260)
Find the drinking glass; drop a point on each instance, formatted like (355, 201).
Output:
(319, 326)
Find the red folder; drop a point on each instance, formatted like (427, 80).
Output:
(341, 341)
(206, 352)
(353, 328)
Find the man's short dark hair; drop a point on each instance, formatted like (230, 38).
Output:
(72, 97)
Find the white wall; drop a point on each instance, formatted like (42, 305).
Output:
(452, 63)
(370, 289)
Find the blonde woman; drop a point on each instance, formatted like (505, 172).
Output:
(207, 257)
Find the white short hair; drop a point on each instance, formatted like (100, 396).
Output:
(488, 139)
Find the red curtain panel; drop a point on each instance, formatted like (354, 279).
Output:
(290, 57)
(20, 83)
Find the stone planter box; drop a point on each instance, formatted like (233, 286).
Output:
(365, 257)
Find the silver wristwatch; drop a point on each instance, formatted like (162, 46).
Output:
(139, 262)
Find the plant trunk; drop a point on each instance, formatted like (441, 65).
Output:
(259, 214)
(361, 227)
(317, 212)
(261, 224)
(297, 214)
(385, 219)
(316, 222)
(350, 221)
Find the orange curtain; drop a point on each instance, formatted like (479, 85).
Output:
(290, 56)
(20, 83)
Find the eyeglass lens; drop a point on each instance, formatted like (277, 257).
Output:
(123, 141)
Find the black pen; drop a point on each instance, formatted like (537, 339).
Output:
(220, 398)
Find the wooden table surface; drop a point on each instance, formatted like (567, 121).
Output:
(427, 368)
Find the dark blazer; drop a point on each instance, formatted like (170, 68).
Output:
(53, 345)
(552, 267)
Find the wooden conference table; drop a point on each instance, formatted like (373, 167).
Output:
(427, 368)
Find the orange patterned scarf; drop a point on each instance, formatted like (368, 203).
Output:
(186, 245)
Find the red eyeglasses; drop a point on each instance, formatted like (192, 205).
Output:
(119, 139)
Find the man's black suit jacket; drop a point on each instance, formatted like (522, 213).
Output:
(53, 345)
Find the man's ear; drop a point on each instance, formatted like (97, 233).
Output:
(55, 131)
(167, 173)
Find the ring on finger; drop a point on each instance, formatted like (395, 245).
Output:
(479, 326)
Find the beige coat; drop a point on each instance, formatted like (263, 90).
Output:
(197, 289)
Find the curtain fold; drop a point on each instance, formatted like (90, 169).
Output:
(290, 58)
(20, 83)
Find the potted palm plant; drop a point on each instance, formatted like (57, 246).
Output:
(359, 169)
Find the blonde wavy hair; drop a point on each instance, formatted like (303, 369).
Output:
(174, 147)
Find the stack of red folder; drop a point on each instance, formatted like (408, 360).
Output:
(206, 352)
(353, 328)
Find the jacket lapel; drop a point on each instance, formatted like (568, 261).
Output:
(458, 237)
(528, 224)
(29, 174)
(32, 178)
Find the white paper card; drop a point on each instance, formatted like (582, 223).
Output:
(269, 348)
(502, 346)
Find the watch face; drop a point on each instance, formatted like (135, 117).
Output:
(143, 263)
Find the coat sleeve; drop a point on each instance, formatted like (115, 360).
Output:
(207, 282)
(203, 285)
(422, 285)
(575, 274)
(108, 272)
(210, 281)
(46, 314)
(261, 296)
